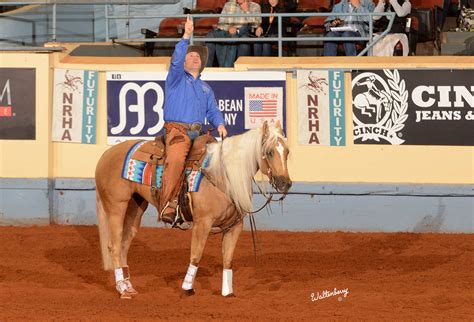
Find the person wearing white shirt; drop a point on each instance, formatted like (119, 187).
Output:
(385, 46)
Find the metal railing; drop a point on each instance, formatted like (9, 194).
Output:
(370, 39)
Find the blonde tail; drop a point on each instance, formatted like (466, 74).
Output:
(103, 225)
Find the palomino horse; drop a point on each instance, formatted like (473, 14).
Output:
(224, 197)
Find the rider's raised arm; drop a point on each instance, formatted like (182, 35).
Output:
(176, 71)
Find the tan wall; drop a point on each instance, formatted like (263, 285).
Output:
(352, 163)
(24, 158)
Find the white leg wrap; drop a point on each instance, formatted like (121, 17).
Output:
(189, 278)
(119, 274)
(120, 283)
(227, 282)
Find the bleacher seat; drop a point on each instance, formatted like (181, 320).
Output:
(428, 13)
(203, 25)
(208, 6)
(313, 6)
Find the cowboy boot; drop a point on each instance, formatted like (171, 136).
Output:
(169, 214)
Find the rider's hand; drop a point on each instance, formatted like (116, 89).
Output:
(188, 28)
(222, 131)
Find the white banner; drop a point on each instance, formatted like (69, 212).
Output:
(263, 104)
(75, 106)
(321, 116)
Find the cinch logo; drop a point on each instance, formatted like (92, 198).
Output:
(379, 109)
(139, 108)
(6, 97)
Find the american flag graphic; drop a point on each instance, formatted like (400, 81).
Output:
(263, 108)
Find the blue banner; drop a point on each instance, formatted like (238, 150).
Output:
(135, 102)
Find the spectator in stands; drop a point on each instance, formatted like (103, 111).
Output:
(269, 26)
(233, 27)
(386, 45)
(347, 26)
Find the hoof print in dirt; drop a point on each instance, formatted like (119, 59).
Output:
(190, 292)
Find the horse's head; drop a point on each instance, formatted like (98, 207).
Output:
(274, 156)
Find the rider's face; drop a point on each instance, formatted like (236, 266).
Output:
(192, 62)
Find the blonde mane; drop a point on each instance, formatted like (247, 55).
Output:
(236, 160)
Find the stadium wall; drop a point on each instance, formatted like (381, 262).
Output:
(351, 188)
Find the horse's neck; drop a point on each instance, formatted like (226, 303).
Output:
(232, 157)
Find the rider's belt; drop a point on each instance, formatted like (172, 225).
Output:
(188, 126)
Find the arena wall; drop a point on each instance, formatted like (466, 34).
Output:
(352, 188)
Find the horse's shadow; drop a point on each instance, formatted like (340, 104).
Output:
(85, 263)
(364, 255)
(272, 270)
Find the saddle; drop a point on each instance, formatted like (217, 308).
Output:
(153, 153)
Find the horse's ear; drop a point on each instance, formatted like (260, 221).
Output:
(278, 126)
(265, 130)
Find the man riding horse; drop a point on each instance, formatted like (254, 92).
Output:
(188, 101)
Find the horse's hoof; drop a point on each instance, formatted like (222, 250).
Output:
(125, 295)
(130, 288)
(229, 295)
(189, 292)
(132, 291)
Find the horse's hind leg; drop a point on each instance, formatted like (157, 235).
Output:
(229, 241)
(116, 212)
(201, 230)
(136, 207)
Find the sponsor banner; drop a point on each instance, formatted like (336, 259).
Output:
(321, 116)
(135, 102)
(415, 107)
(17, 103)
(75, 106)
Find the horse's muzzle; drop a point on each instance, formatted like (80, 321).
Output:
(282, 184)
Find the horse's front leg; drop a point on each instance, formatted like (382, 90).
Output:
(201, 230)
(229, 241)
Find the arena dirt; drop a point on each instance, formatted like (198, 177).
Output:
(54, 272)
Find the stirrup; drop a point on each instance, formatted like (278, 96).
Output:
(176, 220)
(176, 216)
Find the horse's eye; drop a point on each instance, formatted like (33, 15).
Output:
(270, 154)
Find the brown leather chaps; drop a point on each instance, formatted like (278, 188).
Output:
(177, 148)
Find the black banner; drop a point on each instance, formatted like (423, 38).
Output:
(415, 107)
(17, 103)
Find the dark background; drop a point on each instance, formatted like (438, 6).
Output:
(433, 132)
(21, 125)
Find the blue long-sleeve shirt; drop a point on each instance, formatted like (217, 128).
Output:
(361, 23)
(188, 100)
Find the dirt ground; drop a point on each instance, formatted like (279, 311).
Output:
(55, 273)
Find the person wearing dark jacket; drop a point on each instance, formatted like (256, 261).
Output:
(269, 26)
